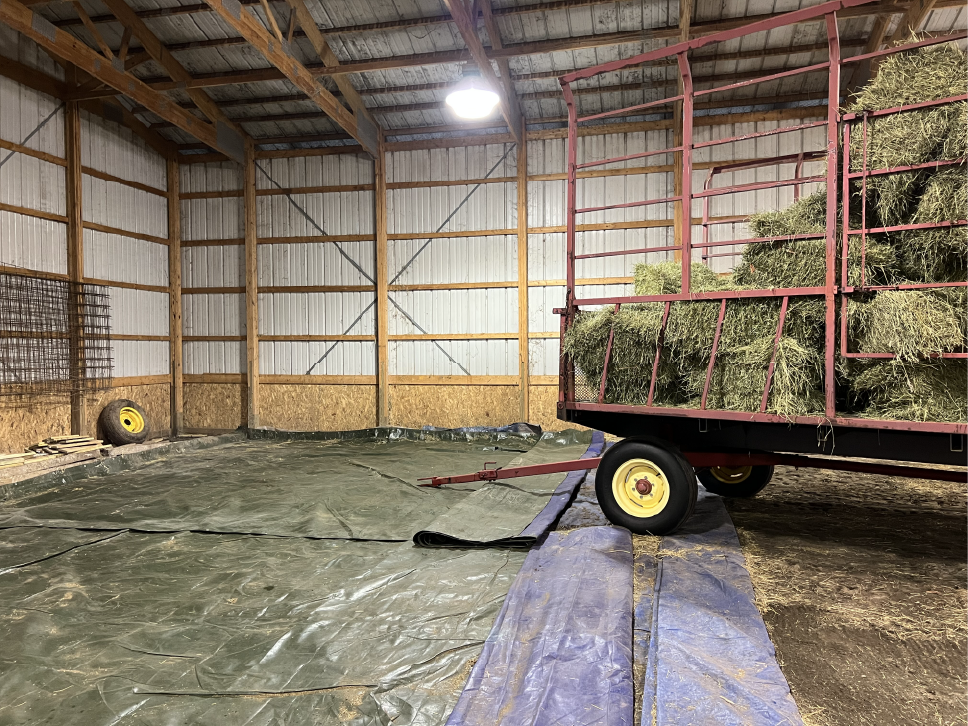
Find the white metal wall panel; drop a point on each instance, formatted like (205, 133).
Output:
(138, 312)
(115, 150)
(299, 358)
(124, 259)
(210, 219)
(488, 310)
(214, 357)
(140, 358)
(26, 181)
(307, 171)
(37, 244)
(314, 313)
(213, 266)
(425, 209)
(217, 177)
(316, 214)
(471, 162)
(23, 109)
(316, 263)
(478, 357)
(118, 205)
(213, 314)
(454, 259)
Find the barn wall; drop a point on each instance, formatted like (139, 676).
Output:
(33, 237)
(452, 270)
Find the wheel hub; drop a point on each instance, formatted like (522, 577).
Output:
(641, 488)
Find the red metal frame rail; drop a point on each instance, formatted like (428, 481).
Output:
(700, 460)
(835, 289)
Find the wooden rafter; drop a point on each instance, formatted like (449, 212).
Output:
(279, 56)
(494, 35)
(468, 30)
(154, 47)
(329, 59)
(915, 16)
(70, 49)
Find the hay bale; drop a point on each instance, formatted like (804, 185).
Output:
(912, 324)
(928, 391)
(937, 255)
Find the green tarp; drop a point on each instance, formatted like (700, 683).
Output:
(235, 585)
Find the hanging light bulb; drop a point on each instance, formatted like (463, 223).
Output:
(471, 98)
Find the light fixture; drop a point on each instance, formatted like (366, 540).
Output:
(471, 98)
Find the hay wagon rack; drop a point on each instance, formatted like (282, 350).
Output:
(646, 482)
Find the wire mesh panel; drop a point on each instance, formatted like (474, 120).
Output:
(55, 337)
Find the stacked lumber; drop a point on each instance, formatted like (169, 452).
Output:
(59, 445)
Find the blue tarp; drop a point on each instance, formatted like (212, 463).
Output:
(711, 660)
(559, 651)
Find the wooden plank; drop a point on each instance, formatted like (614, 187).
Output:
(251, 289)
(453, 286)
(28, 212)
(75, 249)
(175, 300)
(457, 336)
(118, 180)
(239, 378)
(524, 357)
(140, 380)
(454, 381)
(213, 242)
(10, 270)
(125, 233)
(382, 291)
(27, 151)
(508, 232)
(685, 20)
(126, 285)
(152, 338)
(299, 153)
(253, 31)
(71, 49)
(319, 338)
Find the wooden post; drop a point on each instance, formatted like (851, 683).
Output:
(75, 261)
(251, 287)
(524, 362)
(174, 299)
(382, 291)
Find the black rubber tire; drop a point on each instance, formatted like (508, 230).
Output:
(752, 485)
(112, 428)
(683, 490)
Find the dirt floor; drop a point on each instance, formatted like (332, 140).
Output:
(862, 583)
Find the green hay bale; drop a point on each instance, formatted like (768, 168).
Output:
(924, 74)
(912, 324)
(934, 255)
(665, 278)
(803, 263)
(796, 389)
(808, 215)
(926, 391)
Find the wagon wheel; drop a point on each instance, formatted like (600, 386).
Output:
(645, 487)
(736, 481)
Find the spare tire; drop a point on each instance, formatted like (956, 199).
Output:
(124, 422)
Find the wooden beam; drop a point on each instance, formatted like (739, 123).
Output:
(251, 288)
(154, 47)
(329, 59)
(280, 57)
(915, 16)
(174, 299)
(685, 20)
(468, 31)
(524, 358)
(70, 49)
(382, 293)
(75, 256)
(494, 35)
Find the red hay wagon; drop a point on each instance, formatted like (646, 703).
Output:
(647, 482)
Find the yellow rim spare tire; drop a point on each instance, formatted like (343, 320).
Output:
(123, 422)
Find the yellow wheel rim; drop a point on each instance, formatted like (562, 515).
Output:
(645, 499)
(731, 474)
(132, 420)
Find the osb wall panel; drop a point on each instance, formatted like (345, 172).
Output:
(453, 406)
(317, 407)
(155, 399)
(544, 409)
(215, 405)
(22, 426)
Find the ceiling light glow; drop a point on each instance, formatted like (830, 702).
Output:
(472, 99)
